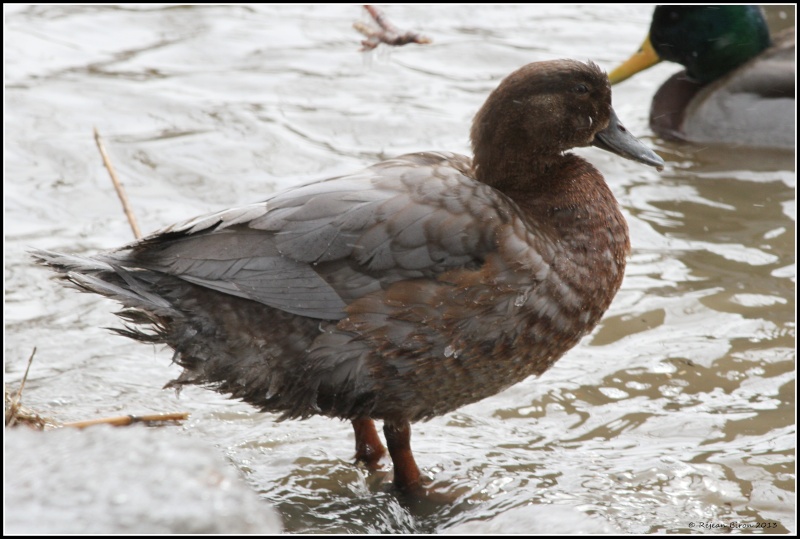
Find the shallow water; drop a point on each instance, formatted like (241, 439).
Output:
(677, 412)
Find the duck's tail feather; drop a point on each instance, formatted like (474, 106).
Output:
(102, 274)
(236, 346)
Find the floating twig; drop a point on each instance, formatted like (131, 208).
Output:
(117, 185)
(126, 420)
(387, 33)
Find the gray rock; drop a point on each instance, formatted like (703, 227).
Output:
(125, 480)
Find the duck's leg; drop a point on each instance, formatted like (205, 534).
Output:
(369, 448)
(406, 472)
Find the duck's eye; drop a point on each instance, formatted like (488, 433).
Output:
(580, 89)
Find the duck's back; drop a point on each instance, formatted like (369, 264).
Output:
(314, 249)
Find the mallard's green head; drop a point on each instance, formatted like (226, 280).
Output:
(709, 41)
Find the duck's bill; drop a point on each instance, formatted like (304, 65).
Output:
(616, 139)
(645, 57)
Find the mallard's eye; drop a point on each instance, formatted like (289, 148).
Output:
(580, 89)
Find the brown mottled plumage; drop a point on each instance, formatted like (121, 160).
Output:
(401, 292)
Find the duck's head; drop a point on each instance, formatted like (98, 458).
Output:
(709, 41)
(544, 109)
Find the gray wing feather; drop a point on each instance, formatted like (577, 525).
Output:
(313, 249)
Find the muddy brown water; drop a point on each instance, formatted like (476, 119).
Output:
(675, 415)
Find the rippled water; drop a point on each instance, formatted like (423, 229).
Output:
(677, 411)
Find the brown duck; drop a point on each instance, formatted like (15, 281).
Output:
(401, 292)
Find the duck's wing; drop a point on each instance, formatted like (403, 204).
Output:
(314, 249)
(772, 73)
(754, 105)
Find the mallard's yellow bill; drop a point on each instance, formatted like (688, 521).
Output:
(645, 57)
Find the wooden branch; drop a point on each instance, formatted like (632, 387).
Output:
(117, 185)
(388, 33)
(14, 407)
(25, 376)
(126, 420)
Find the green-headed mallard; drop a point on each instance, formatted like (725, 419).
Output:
(738, 85)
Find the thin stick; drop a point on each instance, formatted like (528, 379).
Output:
(117, 185)
(388, 33)
(125, 420)
(25, 376)
(15, 401)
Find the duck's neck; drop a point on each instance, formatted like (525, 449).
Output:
(507, 165)
(565, 194)
(565, 179)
